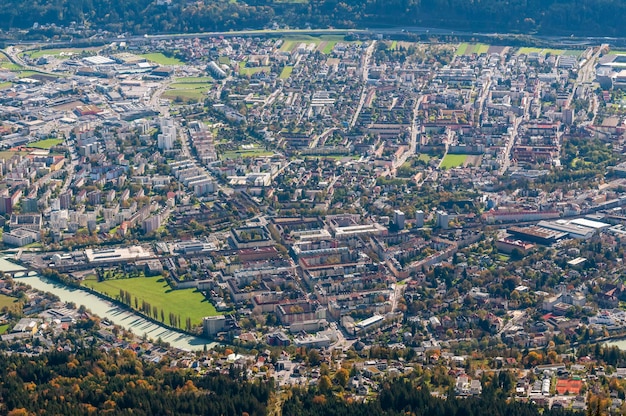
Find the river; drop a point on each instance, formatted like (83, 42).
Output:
(124, 318)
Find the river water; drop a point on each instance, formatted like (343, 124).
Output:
(117, 315)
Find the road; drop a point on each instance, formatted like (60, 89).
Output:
(414, 133)
(517, 317)
(506, 152)
(586, 74)
(364, 75)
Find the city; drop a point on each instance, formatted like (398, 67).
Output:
(348, 207)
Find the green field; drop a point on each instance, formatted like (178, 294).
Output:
(453, 161)
(189, 89)
(188, 303)
(4, 329)
(471, 48)
(248, 71)
(59, 53)
(30, 74)
(286, 72)
(545, 51)
(244, 153)
(45, 144)
(8, 301)
(328, 46)
(9, 66)
(4, 85)
(159, 58)
(7, 154)
(187, 95)
(461, 49)
(424, 157)
(194, 80)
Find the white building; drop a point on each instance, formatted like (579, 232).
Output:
(167, 137)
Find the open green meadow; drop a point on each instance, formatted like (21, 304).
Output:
(8, 301)
(189, 89)
(471, 48)
(286, 72)
(244, 153)
(545, 51)
(453, 161)
(60, 53)
(7, 154)
(248, 71)
(327, 46)
(324, 43)
(186, 303)
(46, 143)
(159, 58)
(195, 80)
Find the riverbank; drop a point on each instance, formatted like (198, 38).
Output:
(119, 316)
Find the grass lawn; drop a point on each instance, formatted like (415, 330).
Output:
(10, 66)
(286, 72)
(546, 51)
(188, 303)
(31, 74)
(4, 85)
(424, 157)
(481, 48)
(461, 49)
(291, 42)
(246, 72)
(453, 161)
(8, 301)
(185, 94)
(45, 144)
(6, 155)
(4, 329)
(189, 85)
(59, 53)
(159, 58)
(243, 153)
(194, 80)
(328, 46)
(224, 60)
(394, 45)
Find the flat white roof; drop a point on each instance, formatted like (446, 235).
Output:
(576, 261)
(590, 224)
(369, 321)
(99, 60)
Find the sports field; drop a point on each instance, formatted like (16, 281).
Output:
(159, 58)
(453, 161)
(186, 303)
(46, 143)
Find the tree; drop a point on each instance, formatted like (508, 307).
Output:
(341, 377)
(325, 384)
(314, 358)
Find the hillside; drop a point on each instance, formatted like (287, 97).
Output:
(550, 17)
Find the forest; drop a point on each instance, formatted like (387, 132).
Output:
(94, 381)
(91, 381)
(404, 397)
(546, 17)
